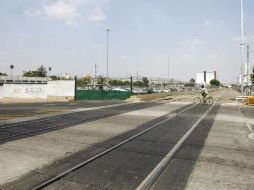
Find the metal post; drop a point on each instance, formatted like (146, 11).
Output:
(242, 48)
(107, 50)
(205, 77)
(131, 83)
(168, 73)
(137, 81)
(75, 89)
(247, 74)
(95, 74)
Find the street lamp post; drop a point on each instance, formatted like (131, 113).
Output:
(107, 30)
(168, 72)
(242, 48)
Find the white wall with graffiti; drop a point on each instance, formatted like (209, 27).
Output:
(59, 88)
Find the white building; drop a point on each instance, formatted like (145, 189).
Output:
(205, 77)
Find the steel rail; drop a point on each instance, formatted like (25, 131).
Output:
(59, 176)
(161, 166)
(63, 115)
(54, 127)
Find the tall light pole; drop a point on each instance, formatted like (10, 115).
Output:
(247, 74)
(107, 30)
(95, 74)
(242, 48)
(168, 72)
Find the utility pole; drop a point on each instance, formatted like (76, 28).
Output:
(107, 30)
(75, 88)
(248, 61)
(95, 73)
(131, 84)
(137, 80)
(168, 72)
(242, 48)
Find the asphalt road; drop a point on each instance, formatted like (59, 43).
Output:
(217, 155)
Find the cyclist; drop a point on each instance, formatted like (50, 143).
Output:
(204, 93)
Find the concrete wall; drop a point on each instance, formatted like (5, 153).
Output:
(63, 89)
(25, 91)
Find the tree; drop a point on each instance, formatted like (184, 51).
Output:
(11, 67)
(3, 74)
(119, 83)
(145, 81)
(191, 83)
(100, 82)
(84, 81)
(49, 70)
(53, 77)
(252, 78)
(40, 72)
(192, 80)
(215, 82)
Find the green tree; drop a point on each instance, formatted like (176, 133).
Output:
(192, 80)
(252, 78)
(84, 81)
(191, 83)
(53, 77)
(11, 67)
(145, 81)
(49, 70)
(215, 82)
(3, 74)
(40, 72)
(100, 82)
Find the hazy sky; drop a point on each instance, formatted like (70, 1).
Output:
(70, 36)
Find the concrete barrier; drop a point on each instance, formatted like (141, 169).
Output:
(61, 90)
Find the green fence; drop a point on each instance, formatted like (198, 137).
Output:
(101, 95)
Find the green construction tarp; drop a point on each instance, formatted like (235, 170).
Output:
(101, 95)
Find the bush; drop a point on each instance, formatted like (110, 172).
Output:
(215, 82)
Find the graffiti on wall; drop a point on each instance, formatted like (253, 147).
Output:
(25, 91)
(53, 88)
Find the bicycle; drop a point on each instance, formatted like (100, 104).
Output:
(198, 100)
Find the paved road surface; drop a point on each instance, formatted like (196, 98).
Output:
(218, 154)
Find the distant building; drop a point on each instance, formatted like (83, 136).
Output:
(66, 76)
(205, 77)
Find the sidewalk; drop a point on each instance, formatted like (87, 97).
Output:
(227, 158)
(248, 113)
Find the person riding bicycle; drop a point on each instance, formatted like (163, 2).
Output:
(204, 93)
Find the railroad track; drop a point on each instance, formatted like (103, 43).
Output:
(107, 151)
(151, 178)
(23, 129)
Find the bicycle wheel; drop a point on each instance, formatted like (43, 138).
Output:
(209, 100)
(197, 100)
